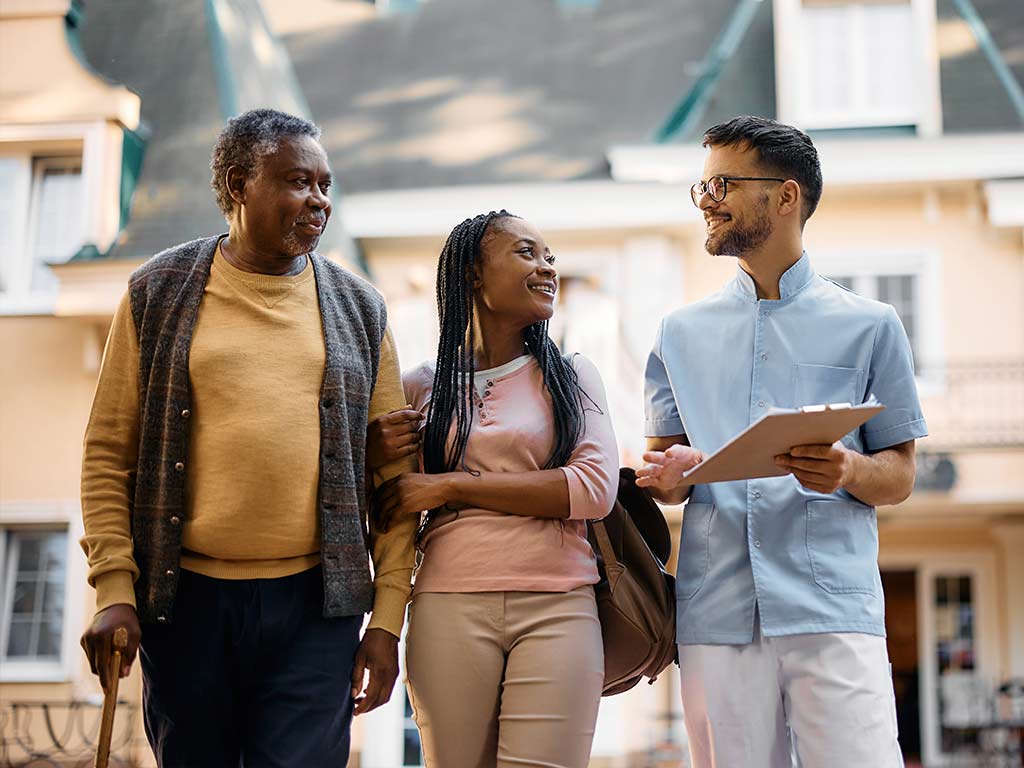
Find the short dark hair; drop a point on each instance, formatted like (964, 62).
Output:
(246, 141)
(782, 149)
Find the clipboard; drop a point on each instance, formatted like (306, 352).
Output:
(752, 452)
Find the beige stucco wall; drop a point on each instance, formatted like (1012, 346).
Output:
(46, 387)
(63, 90)
(47, 371)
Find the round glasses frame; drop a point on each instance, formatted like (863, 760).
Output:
(717, 187)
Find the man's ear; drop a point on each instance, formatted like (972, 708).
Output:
(237, 179)
(790, 198)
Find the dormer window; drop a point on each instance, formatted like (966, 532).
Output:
(857, 65)
(43, 221)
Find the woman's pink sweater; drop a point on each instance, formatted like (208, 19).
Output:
(479, 550)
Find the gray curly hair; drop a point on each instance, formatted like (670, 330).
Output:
(246, 141)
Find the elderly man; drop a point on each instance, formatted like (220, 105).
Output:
(223, 479)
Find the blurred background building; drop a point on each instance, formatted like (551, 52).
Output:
(585, 117)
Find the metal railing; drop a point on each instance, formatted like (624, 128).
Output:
(977, 405)
(57, 734)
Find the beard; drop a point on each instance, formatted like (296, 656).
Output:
(740, 238)
(295, 245)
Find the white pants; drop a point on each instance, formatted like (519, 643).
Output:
(815, 701)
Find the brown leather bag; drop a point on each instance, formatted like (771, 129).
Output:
(636, 595)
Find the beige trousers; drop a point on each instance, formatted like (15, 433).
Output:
(502, 679)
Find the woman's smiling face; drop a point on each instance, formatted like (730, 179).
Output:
(515, 276)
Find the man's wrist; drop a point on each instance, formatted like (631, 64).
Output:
(384, 632)
(853, 467)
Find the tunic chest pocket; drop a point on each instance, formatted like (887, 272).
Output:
(819, 384)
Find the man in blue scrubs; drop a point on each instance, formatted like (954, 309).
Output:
(781, 626)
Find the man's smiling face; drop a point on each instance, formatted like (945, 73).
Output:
(742, 220)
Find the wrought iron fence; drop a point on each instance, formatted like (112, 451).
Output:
(976, 405)
(58, 734)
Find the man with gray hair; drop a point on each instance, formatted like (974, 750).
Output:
(224, 475)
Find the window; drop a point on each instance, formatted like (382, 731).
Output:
(42, 221)
(964, 696)
(15, 181)
(857, 65)
(901, 291)
(58, 216)
(33, 564)
(909, 280)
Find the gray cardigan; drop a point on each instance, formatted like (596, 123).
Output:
(165, 295)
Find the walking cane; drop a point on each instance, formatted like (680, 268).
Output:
(120, 643)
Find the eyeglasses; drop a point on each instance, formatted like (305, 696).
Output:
(717, 187)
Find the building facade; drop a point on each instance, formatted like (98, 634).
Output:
(585, 118)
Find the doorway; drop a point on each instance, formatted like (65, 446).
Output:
(901, 630)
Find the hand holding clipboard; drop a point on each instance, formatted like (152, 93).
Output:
(751, 454)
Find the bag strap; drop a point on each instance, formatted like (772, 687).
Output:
(612, 567)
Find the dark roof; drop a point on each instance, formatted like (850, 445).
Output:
(746, 84)
(487, 91)
(461, 91)
(973, 98)
(161, 51)
(191, 72)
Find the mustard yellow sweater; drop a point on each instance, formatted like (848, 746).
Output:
(255, 368)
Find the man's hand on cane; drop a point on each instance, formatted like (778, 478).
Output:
(97, 640)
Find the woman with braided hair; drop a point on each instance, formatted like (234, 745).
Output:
(504, 656)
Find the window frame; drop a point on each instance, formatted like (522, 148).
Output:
(17, 295)
(47, 516)
(788, 23)
(925, 265)
(99, 144)
(858, 114)
(41, 162)
(14, 271)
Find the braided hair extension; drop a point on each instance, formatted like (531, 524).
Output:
(453, 376)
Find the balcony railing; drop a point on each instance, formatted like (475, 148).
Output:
(973, 406)
(56, 734)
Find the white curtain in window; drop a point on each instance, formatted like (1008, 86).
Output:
(888, 39)
(59, 220)
(14, 183)
(858, 65)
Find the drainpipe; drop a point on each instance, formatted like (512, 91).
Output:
(988, 47)
(690, 109)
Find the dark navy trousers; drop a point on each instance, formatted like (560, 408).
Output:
(249, 674)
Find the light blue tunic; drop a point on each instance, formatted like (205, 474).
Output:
(807, 560)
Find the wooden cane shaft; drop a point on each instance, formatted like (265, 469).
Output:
(120, 642)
